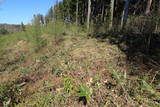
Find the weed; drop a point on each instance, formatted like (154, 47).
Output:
(84, 94)
(69, 85)
(40, 100)
(24, 69)
(120, 79)
(56, 71)
(47, 100)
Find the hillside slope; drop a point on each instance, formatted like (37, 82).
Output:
(11, 28)
(75, 71)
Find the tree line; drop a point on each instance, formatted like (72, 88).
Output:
(108, 13)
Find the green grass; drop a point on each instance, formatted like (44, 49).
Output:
(10, 40)
(69, 85)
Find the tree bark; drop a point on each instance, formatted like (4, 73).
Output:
(89, 14)
(77, 9)
(149, 3)
(102, 15)
(112, 13)
(125, 14)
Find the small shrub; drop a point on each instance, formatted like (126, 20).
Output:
(34, 35)
(3, 31)
(38, 41)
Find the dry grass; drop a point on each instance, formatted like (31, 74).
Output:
(100, 66)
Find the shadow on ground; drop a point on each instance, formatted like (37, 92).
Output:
(142, 50)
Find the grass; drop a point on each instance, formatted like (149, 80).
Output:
(69, 69)
(119, 77)
(24, 70)
(10, 40)
(56, 71)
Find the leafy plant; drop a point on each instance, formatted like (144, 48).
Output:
(69, 85)
(84, 94)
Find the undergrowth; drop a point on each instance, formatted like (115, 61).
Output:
(68, 68)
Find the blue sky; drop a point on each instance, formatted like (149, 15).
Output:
(16, 11)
